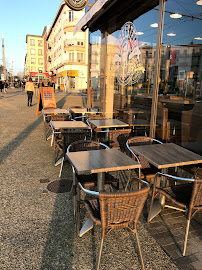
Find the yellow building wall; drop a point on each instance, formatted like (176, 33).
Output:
(34, 67)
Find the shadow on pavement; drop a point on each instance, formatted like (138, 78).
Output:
(58, 251)
(11, 146)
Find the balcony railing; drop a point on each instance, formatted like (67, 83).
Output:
(74, 61)
(67, 23)
(74, 42)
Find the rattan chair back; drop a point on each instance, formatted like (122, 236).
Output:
(140, 140)
(95, 117)
(85, 145)
(61, 117)
(70, 137)
(196, 199)
(118, 210)
(118, 138)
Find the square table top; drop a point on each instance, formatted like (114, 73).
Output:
(78, 110)
(103, 160)
(83, 110)
(167, 155)
(55, 111)
(69, 125)
(108, 123)
(138, 122)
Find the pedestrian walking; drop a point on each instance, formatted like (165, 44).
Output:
(1, 85)
(29, 88)
(40, 84)
(5, 86)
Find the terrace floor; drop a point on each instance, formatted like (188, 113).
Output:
(37, 229)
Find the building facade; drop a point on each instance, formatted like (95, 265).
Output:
(34, 60)
(68, 54)
(44, 35)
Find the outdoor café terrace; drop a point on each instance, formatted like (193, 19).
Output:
(112, 179)
(38, 227)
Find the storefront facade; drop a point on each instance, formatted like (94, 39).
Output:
(148, 55)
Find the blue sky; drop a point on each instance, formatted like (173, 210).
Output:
(19, 18)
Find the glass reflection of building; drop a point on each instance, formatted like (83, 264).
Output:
(179, 81)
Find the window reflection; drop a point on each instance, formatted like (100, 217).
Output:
(180, 78)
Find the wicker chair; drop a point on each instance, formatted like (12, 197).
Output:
(118, 138)
(47, 128)
(148, 171)
(73, 115)
(100, 133)
(91, 179)
(186, 197)
(61, 117)
(62, 139)
(116, 211)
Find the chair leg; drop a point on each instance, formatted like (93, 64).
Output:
(186, 237)
(129, 180)
(52, 137)
(77, 211)
(74, 189)
(140, 251)
(61, 167)
(100, 253)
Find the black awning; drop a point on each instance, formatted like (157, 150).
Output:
(115, 13)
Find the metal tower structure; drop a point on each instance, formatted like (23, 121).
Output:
(4, 61)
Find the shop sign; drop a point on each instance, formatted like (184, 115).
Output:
(128, 66)
(72, 73)
(64, 74)
(62, 87)
(76, 4)
(181, 75)
(46, 99)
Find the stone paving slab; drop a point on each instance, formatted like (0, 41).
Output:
(168, 228)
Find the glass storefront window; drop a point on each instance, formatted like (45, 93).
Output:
(95, 65)
(180, 91)
(122, 71)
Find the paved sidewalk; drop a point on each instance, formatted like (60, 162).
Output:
(37, 230)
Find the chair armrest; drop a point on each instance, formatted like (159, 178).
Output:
(157, 141)
(133, 154)
(169, 176)
(79, 117)
(175, 177)
(101, 131)
(95, 193)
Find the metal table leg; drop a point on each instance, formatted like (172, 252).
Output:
(100, 181)
(158, 205)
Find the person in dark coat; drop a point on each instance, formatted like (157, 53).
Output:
(1, 85)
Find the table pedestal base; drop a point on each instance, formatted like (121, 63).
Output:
(157, 207)
(88, 225)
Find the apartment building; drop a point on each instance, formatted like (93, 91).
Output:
(34, 60)
(44, 35)
(68, 54)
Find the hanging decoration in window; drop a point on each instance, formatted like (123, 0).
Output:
(76, 4)
(128, 66)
